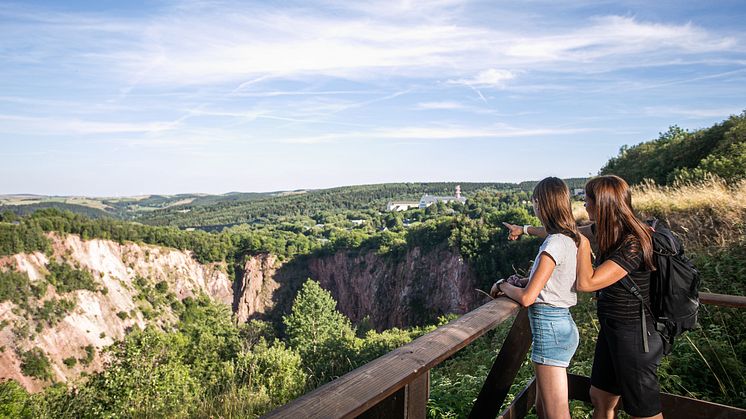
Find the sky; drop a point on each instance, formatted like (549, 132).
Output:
(118, 98)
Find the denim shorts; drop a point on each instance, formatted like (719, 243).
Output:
(555, 336)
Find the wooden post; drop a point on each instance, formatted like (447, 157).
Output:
(503, 372)
(409, 402)
(418, 392)
(393, 406)
(522, 403)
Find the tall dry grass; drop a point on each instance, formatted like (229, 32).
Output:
(705, 213)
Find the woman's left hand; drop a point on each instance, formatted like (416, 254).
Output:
(495, 290)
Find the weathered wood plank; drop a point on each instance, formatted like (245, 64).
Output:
(503, 371)
(522, 403)
(363, 388)
(418, 392)
(673, 406)
(722, 299)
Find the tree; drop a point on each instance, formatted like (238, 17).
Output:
(322, 335)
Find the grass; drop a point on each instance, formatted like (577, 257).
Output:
(703, 214)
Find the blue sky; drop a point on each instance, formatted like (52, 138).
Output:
(106, 98)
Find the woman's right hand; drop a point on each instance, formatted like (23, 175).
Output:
(514, 231)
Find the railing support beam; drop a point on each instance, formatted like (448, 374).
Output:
(504, 370)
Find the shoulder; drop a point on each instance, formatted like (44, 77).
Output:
(628, 254)
(557, 244)
(558, 239)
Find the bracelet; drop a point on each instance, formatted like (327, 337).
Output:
(525, 229)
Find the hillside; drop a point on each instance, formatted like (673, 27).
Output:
(719, 150)
(214, 212)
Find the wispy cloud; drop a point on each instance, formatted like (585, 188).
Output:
(440, 106)
(426, 133)
(493, 78)
(51, 126)
(695, 113)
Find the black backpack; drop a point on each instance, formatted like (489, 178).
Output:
(674, 288)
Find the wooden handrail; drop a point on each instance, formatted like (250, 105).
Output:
(722, 300)
(357, 391)
(387, 378)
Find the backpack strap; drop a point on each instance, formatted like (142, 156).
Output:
(630, 285)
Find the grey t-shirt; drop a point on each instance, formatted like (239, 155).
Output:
(560, 288)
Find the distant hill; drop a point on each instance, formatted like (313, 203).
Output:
(681, 155)
(310, 203)
(213, 212)
(28, 209)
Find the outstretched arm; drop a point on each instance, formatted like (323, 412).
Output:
(515, 231)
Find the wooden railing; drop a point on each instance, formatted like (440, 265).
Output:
(396, 385)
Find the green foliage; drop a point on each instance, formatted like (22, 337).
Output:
(66, 278)
(146, 379)
(34, 363)
(52, 311)
(17, 288)
(273, 368)
(322, 336)
(90, 353)
(70, 362)
(22, 238)
(317, 204)
(680, 155)
(13, 399)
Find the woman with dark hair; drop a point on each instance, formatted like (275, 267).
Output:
(548, 294)
(623, 365)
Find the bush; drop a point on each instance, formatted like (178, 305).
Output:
(34, 363)
(65, 278)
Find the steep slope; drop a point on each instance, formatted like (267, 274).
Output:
(59, 331)
(137, 285)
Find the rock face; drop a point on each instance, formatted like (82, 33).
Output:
(98, 318)
(390, 290)
(398, 292)
(255, 287)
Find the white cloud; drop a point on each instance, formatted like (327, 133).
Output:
(440, 106)
(232, 44)
(695, 113)
(55, 126)
(435, 133)
(493, 78)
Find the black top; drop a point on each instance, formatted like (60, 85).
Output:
(615, 301)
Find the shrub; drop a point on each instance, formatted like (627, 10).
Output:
(65, 278)
(34, 363)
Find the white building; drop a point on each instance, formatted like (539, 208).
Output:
(428, 200)
(401, 205)
(425, 201)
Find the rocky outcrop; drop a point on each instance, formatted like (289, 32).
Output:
(398, 291)
(98, 317)
(255, 286)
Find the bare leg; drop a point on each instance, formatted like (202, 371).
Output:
(604, 403)
(551, 384)
(539, 406)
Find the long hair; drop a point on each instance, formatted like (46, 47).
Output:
(615, 220)
(554, 209)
